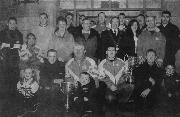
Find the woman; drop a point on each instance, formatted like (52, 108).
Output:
(131, 38)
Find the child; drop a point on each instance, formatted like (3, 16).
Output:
(30, 53)
(27, 89)
(169, 81)
(83, 96)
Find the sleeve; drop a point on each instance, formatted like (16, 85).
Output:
(44, 76)
(34, 87)
(162, 46)
(21, 38)
(140, 46)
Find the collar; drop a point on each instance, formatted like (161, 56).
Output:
(86, 32)
(43, 25)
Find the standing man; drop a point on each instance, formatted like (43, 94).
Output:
(70, 28)
(112, 36)
(11, 39)
(171, 32)
(89, 38)
(43, 33)
(101, 25)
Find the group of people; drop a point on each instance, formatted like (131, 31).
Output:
(95, 60)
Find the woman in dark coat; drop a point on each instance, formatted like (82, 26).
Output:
(131, 37)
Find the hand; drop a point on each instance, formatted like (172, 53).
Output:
(113, 88)
(141, 60)
(47, 88)
(159, 62)
(75, 98)
(152, 81)
(121, 27)
(17, 46)
(156, 29)
(60, 59)
(85, 99)
(58, 81)
(169, 95)
(145, 93)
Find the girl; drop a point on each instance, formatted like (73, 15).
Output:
(30, 53)
(27, 89)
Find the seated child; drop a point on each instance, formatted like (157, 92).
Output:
(84, 94)
(27, 90)
(169, 81)
(30, 53)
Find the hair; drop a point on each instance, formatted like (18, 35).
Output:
(111, 45)
(60, 18)
(166, 12)
(12, 18)
(142, 15)
(43, 13)
(114, 18)
(86, 19)
(102, 13)
(151, 50)
(82, 16)
(30, 34)
(69, 14)
(122, 14)
(34, 75)
(51, 50)
(129, 30)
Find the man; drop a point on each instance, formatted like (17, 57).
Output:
(62, 41)
(171, 32)
(43, 33)
(112, 36)
(81, 18)
(111, 71)
(147, 82)
(89, 38)
(151, 38)
(11, 39)
(80, 63)
(122, 22)
(70, 28)
(52, 74)
(141, 19)
(101, 26)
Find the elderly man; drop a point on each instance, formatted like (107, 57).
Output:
(80, 63)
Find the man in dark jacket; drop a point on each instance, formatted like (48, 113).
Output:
(11, 39)
(147, 82)
(52, 74)
(89, 38)
(112, 36)
(171, 32)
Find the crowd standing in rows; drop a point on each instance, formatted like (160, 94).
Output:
(96, 60)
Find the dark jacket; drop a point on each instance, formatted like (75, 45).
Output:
(142, 75)
(90, 43)
(171, 32)
(49, 72)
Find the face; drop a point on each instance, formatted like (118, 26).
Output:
(141, 21)
(150, 22)
(111, 52)
(79, 52)
(81, 19)
(165, 18)
(150, 57)
(101, 18)
(121, 19)
(134, 26)
(170, 70)
(28, 73)
(86, 25)
(31, 40)
(52, 57)
(84, 79)
(12, 24)
(69, 19)
(115, 23)
(43, 19)
(62, 26)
